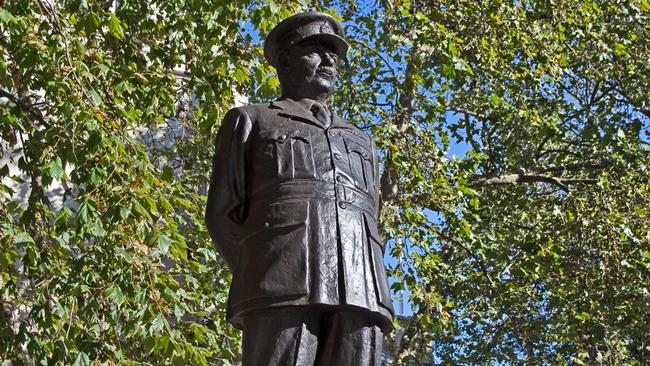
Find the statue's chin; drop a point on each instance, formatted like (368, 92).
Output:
(325, 79)
(322, 85)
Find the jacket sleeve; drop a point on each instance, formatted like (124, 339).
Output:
(227, 203)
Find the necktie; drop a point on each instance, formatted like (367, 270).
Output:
(321, 113)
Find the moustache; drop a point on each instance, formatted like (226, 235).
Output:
(326, 70)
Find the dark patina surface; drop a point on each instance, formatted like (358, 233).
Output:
(292, 208)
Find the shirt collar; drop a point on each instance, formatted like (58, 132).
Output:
(307, 103)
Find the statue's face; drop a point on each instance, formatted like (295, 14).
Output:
(310, 70)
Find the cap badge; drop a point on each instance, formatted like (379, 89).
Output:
(325, 29)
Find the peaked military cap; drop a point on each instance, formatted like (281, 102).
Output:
(299, 27)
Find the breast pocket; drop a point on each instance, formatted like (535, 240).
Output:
(291, 151)
(361, 167)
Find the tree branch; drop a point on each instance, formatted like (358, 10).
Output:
(470, 133)
(389, 181)
(604, 163)
(25, 107)
(637, 105)
(460, 110)
(563, 183)
(378, 54)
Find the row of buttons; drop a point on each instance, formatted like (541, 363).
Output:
(337, 156)
(341, 179)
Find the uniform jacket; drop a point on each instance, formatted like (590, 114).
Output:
(292, 209)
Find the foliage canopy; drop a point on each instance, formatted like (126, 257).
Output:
(531, 247)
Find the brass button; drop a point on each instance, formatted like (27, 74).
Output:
(339, 178)
(283, 137)
(337, 156)
(343, 205)
(332, 132)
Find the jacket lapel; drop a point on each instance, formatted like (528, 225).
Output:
(293, 110)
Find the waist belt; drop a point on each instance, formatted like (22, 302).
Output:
(316, 189)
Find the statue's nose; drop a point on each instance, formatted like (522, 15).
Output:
(327, 58)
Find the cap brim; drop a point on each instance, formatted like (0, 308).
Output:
(340, 44)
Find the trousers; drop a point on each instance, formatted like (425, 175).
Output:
(296, 336)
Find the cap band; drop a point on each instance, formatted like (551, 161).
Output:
(305, 31)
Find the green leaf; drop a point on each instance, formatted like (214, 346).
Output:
(125, 212)
(23, 237)
(115, 26)
(452, 49)
(94, 95)
(241, 75)
(55, 168)
(273, 6)
(163, 243)
(84, 211)
(114, 294)
(167, 174)
(92, 22)
(645, 6)
(137, 206)
(82, 359)
(6, 16)
(79, 47)
(179, 249)
(158, 324)
(96, 229)
(474, 203)
(164, 203)
(151, 204)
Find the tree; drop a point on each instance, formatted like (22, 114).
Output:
(532, 247)
(123, 270)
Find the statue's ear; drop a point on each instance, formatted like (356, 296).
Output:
(283, 60)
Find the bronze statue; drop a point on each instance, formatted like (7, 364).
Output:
(292, 209)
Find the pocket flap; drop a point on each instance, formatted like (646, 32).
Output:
(363, 151)
(274, 215)
(283, 136)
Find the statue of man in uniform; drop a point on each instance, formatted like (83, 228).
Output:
(292, 209)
